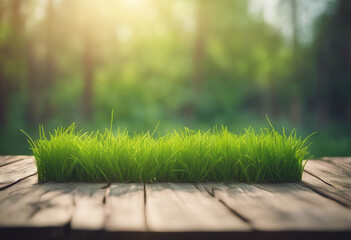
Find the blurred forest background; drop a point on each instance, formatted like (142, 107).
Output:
(193, 63)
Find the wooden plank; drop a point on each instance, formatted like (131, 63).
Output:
(39, 205)
(5, 160)
(43, 200)
(344, 159)
(343, 162)
(17, 208)
(13, 190)
(331, 173)
(55, 207)
(329, 179)
(283, 207)
(317, 185)
(12, 173)
(125, 207)
(29, 204)
(89, 212)
(183, 207)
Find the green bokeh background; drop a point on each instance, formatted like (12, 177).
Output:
(194, 63)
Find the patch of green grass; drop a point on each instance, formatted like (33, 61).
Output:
(179, 156)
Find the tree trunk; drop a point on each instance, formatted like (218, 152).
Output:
(199, 48)
(198, 56)
(49, 68)
(32, 113)
(3, 82)
(295, 104)
(3, 97)
(12, 49)
(88, 71)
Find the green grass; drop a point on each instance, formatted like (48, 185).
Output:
(179, 156)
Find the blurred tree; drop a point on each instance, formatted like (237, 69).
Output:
(333, 52)
(88, 65)
(3, 95)
(198, 53)
(295, 104)
(12, 47)
(3, 80)
(32, 110)
(196, 63)
(49, 62)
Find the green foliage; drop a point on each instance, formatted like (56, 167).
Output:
(163, 61)
(178, 156)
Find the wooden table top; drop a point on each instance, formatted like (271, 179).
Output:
(318, 207)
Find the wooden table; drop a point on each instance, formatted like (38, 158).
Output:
(318, 207)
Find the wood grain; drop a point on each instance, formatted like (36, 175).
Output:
(39, 205)
(17, 188)
(54, 207)
(125, 207)
(16, 171)
(5, 160)
(331, 173)
(282, 207)
(321, 203)
(183, 207)
(330, 179)
(52, 204)
(343, 162)
(89, 211)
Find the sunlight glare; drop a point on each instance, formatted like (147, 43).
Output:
(134, 3)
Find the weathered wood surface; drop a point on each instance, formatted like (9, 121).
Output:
(330, 178)
(89, 212)
(15, 170)
(290, 206)
(319, 206)
(5, 160)
(183, 207)
(125, 207)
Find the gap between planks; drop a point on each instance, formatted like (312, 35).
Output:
(144, 199)
(283, 207)
(14, 169)
(330, 178)
(124, 198)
